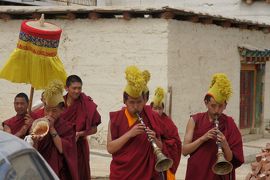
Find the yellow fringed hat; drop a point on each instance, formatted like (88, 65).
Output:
(135, 82)
(146, 76)
(220, 88)
(53, 94)
(158, 97)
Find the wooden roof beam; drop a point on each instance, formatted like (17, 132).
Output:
(167, 15)
(206, 20)
(127, 15)
(226, 23)
(5, 16)
(71, 16)
(242, 26)
(94, 15)
(193, 18)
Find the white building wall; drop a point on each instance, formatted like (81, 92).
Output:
(97, 51)
(197, 51)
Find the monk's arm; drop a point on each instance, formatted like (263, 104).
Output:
(189, 146)
(114, 145)
(22, 132)
(56, 140)
(93, 130)
(227, 152)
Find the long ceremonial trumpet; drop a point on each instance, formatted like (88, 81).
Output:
(222, 166)
(163, 163)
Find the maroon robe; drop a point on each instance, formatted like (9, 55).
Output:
(201, 161)
(171, 141)
(15, 123)
(135, 160)
(65, 164)
(40, 112)
(84, 113)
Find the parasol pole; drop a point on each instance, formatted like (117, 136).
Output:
(41, 23)
(31, 99)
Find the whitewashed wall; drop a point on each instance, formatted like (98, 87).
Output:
(197, 51)
(97, 51)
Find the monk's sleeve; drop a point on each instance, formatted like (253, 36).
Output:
(96, 118)
(93, 116)
(236, 145)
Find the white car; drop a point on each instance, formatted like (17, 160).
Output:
(20, 161)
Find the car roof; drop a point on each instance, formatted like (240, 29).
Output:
(11, 144)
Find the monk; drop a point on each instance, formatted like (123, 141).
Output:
(201, 135)
(83, 111)
(132, 153)
(58, 147)
(20, 124)
(171, 141)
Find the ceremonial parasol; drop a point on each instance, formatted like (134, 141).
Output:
(35, 60)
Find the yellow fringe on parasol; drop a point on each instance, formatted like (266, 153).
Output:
(46, 69)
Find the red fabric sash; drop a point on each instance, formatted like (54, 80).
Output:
(201, 161)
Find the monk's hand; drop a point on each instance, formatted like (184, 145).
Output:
(211, 134)
(222, 139)
(28, 120)
(136, 130)
(78, 135)
(24, 129)
(151, 134)
(51, 120)
(37, 138)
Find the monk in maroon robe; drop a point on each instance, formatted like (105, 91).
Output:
(64, 161)
(20, 124)
(171, 141)
(58, 147)
(132, 153)
(200, 142)
(83, 111)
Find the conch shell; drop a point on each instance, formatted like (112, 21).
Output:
(40, 127)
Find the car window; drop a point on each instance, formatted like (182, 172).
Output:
(29, 166)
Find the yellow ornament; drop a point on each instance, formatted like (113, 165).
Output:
(53, 94)
(220, 88)
(135, 82)
(158, 97)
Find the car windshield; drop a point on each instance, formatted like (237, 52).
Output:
(29, 166)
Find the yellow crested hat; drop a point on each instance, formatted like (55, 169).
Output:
(53, 94)
(158, 97)
(146, 76)
(220, 88)
(135, 82)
